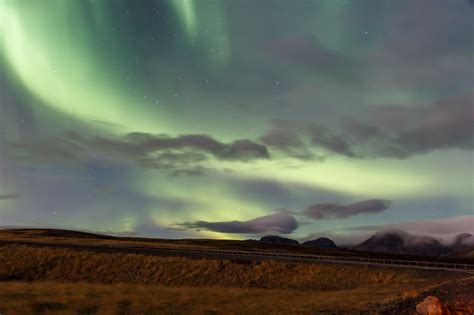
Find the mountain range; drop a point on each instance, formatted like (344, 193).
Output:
(398, 242)
(403, 243)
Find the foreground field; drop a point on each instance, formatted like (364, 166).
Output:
(24, 263)
(84, 298)
(61, 281)
(52, 280)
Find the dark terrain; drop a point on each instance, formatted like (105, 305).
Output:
(41, 274)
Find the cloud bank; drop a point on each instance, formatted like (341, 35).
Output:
(280, 222)
(386, 131)
(323, 211)
(179, 155)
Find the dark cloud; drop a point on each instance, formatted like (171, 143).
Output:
(280, 222)
(323, 211)
(181, 154)
(450, 126)
(284, 137)
(386, 131)
(194, 146)
(9, 196)
(333, 143)
(246, 150)
(404, 131)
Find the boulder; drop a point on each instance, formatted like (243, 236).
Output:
(431, 305)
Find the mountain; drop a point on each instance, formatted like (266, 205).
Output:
(463, 246)
(463, 241)
(403, 243)
(275, 239)
(321, 242)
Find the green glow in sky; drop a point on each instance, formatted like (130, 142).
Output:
(287, 104)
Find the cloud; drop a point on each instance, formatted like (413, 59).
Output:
(445, 226)
(284, 138)
(9, 196)
(280, 222)
(145, 144)
(333, 143)
(323, 211)
(447, 126)
(386, 131)
(180, 155)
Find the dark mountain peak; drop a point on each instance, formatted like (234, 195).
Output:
(400, 234)
(275, 239)
(402, 243)
(463, 243)
(322, 242)
(463, 238)
(390, 242)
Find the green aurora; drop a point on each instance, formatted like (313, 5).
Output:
(159, 117)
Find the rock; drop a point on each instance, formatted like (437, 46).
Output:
(431, 305)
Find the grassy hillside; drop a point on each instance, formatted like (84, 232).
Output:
(41, 280)
(24, 263)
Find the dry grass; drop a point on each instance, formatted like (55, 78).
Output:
(83, 298)
(47, 280)
(66, 236)
(23, 263)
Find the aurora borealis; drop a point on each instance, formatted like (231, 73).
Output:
(234, 119)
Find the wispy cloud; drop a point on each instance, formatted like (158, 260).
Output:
(179, 155)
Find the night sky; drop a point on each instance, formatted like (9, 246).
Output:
(236, 119)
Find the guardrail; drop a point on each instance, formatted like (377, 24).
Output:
(293, 257)
(329, 258)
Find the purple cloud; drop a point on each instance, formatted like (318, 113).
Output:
(280, 222)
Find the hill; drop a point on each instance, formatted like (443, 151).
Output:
(321, 242)
(275, 239)
(400, 242)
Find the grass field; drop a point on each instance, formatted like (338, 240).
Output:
(24, 263)
(42, 280)
(85, 298)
